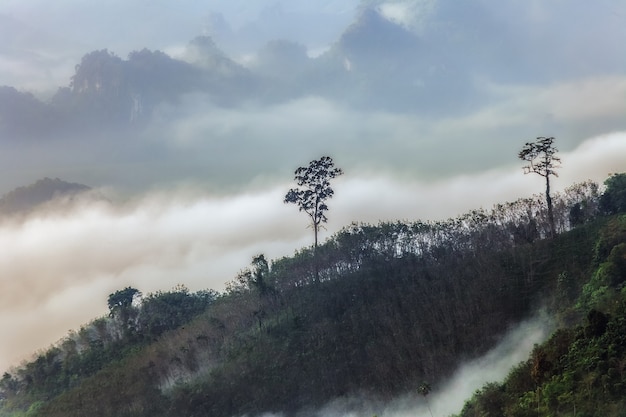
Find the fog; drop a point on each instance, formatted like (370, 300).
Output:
(449, 398)
(196, 191)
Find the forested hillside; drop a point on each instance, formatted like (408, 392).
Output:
(581, 370)
(396, 304)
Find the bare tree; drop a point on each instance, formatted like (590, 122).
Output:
(542, 160)
(314, 181)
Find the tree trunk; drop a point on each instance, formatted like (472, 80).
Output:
(315, 263)
(550, 212)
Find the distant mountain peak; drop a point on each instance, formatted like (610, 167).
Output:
(373, 30)
(204, 52)
(24, 199)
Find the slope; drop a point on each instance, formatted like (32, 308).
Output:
(398, 303)
(580, 369)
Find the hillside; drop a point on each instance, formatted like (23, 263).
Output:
(397, 304)
(580, 369)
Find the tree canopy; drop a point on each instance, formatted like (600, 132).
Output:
(315, 183)
(122, 298)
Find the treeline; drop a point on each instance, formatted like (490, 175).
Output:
(395, 305)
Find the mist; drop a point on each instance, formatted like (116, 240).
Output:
(447, 399)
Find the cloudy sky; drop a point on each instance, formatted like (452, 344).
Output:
(200, 191)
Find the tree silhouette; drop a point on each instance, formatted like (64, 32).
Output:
(311, 198)
(541, 159)
(424, 389)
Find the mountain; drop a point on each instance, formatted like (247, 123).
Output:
(395, 305)
(375, 41)
(430, 64)
(375, 63)
(25, 199)
(22, 115)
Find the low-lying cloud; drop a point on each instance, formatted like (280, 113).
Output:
(268, 142)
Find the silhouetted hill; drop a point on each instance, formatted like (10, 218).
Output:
(24, 199)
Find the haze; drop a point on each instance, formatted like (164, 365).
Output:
(196, 189)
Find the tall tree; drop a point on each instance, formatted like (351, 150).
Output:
(314, 181)
(542, 160)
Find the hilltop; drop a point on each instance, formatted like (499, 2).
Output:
(27, 198)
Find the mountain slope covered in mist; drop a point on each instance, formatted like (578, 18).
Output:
(397, 304)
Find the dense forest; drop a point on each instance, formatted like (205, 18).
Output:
(379, 310)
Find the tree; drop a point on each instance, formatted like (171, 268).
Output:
(541, 159)
(122, 298)
(252, 278)
(315, 180)
(613, 200)
(259, 274)
(424, 389)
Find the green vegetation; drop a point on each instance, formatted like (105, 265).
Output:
(396, 304)
(581, 369)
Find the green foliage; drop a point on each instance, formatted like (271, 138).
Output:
(122, 299)
(613, 200)
(163, 311)
(611, 235)
(610, 275)
(579, 370)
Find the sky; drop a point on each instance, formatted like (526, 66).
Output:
(200, 191)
